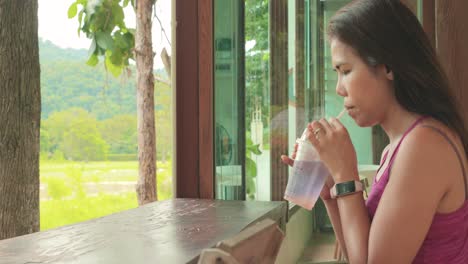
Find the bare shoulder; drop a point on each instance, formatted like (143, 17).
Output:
(427, 156)
(424, 180)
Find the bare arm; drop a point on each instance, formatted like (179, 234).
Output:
(407, 206)
(411, 197)
(409, 202)
(334, 215)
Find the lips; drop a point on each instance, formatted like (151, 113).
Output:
(350, 110)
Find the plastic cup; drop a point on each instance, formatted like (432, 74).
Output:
(308, 176)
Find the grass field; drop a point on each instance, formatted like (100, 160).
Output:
(72, 192)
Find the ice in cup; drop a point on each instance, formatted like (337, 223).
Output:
(308, 176)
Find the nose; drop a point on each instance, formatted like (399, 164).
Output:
(340, 90)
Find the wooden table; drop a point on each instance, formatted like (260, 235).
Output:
(172, 231)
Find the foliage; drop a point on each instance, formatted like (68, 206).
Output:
(120, 133)
(257, 58)
(83, 141)
(70, 202)
(67, 82)
(103, 22)
(122, 157)
(55, 213)
(72, 91)
(163, 120)
(57, 188)
(56, 126)
(48, 53)
(251, 167)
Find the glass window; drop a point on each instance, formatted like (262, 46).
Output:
(272, 76)
(229, 100)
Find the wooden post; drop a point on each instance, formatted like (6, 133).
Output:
(451, 42)
(279, 96)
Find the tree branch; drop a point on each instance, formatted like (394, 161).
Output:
(166, 61)
(159, 79)
(160, 24)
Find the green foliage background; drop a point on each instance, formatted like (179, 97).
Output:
(89, 138)
(89, 115)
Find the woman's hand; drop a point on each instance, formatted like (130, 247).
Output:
(334, 146)
(325, 193)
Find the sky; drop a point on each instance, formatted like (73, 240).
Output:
(55, 26)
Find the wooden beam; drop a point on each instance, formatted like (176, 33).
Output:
(279, 96)
(428, 20)
(299, 72)
(205, 105)
(187, 117)
(451, 42)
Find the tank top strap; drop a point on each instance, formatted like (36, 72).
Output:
(403, 137)
(459, 156)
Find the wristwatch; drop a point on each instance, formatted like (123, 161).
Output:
(346, 188)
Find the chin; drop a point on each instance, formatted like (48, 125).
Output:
(364, 122)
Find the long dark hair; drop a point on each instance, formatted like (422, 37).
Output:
(386, 32)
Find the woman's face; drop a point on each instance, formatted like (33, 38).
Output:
(367, 91)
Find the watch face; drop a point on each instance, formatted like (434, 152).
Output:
(345, 188)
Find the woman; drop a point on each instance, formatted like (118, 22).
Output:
(388, 75)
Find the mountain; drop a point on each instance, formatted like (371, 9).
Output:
(67, 81)
(48, 51)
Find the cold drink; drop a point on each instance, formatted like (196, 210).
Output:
(307, 177)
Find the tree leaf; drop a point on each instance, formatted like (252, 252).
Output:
(80, 21)
(93, 60)
(72, 10)
(129, 39)
(118, 14)
(255, 149)
(92, 48)
(116, 57)
(250, 167)
(114, 69)
(104, 40)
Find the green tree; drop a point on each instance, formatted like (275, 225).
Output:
(45, 143)
(83, 141)
(60, 122)
(163, 119)
(257, 57)
(120, 133)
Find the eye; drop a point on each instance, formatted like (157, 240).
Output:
(346, 72)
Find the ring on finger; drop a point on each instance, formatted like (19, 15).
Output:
(316, 131)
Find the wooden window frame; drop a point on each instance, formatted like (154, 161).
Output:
(194, 150)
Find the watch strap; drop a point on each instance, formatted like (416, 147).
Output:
(346, 188)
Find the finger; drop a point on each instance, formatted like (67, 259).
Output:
(325, 125)
(330, 121)
(314, 138)
(286, 160)
(293, 155)
(337, 124)
(316, 127)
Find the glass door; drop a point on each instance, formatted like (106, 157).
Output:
(229, 100)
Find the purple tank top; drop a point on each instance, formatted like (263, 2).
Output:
(447, 238)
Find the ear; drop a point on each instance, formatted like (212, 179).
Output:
(389, 73)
